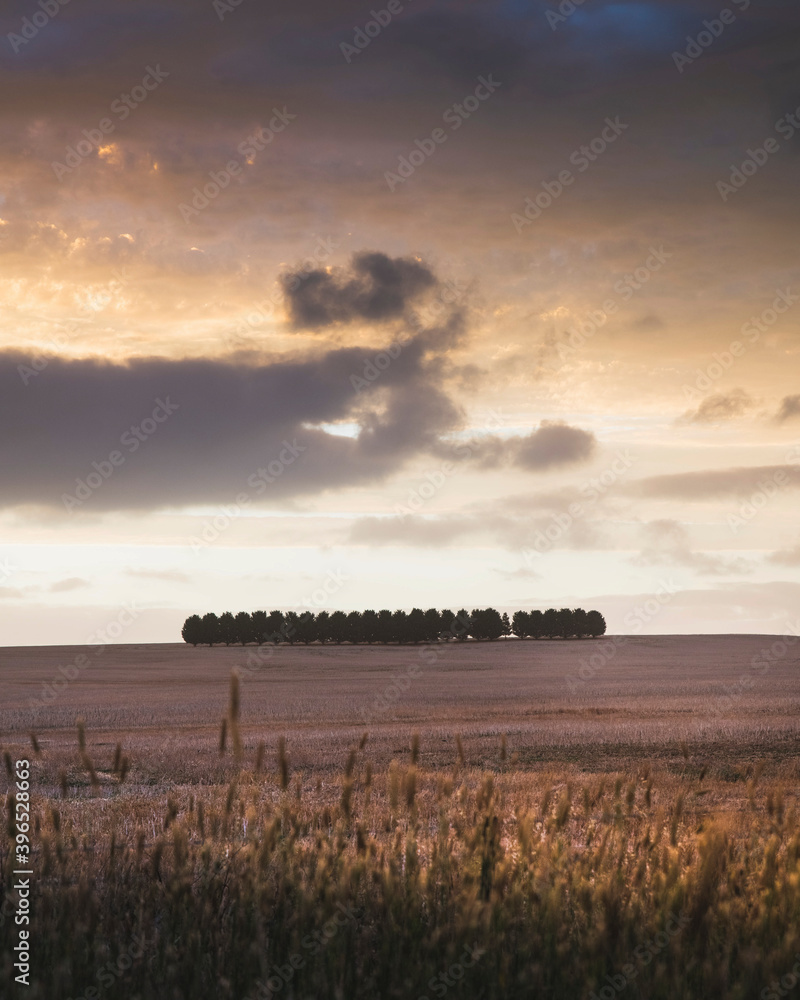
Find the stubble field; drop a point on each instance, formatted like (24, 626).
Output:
(584, 816)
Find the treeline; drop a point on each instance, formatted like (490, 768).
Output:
(401, 627)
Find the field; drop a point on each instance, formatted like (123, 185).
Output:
(506, 819)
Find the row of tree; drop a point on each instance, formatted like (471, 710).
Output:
(402, 627)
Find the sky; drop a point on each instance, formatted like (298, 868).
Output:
(453, 304)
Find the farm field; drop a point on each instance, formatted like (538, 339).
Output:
(484, 808)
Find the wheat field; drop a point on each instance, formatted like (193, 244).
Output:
(505, 819)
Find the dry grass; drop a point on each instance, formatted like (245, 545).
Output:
(490, 806)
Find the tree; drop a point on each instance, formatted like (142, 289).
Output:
(550, 623)
(210, 628)
(536, 624)
(580, 624)
(227, 628)
(245, 632)
(464, 619)
(276, 627)
(566, 626)
(260, 625)
(433, 625)
(355, 627)
(306, 630)
(520, 624)
(323, 627)
(337, 627)
(400, 626)
(370, 626)
(506, 624)
(192, 630)
(415, 626)
(596, 624)
(385, 629)
(486, 624)
(291, 622)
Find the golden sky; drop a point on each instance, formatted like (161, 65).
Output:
(486, 303)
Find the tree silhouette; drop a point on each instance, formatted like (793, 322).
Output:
(465, 619)
(433, 625)
(337, 626)
(550, 623)
(259, 622)
(596, 624)
(192, 630)
(386, 626)
(210, 628)
(520, 624)
(355, 627)
(245, 631)
(227, 628)
(370, 626)
(323, 627)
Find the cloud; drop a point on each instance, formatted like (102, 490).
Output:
(715, 483)
(64, 586)
(667, 544)
(790, 408)
(552, 445)
(719, 407)
(786, 557)
(165, 575)
(374, 288)
(412, 530)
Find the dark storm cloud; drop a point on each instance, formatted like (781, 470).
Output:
(719, 407)
(552, 445)
(373, 288)
(193, 431)
(790, 408)
(714, 484)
